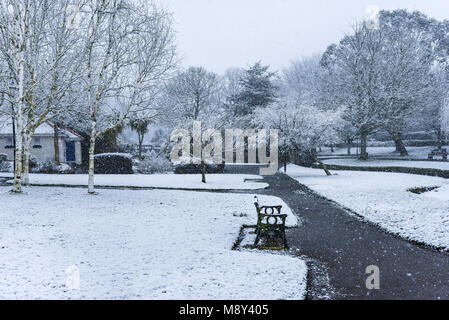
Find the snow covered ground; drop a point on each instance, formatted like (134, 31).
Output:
(389, 163)
(153, 244)
(440, 193)
(389, 152)
(382, 198)
(173, 181)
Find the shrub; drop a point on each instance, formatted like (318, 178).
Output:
(113, 163)
(191, 168)
(50, 167)
(154, 163)
(34, 163)
(5, 165)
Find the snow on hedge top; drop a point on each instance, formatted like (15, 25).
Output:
(189, 160)
(169, 181)
(116, 154)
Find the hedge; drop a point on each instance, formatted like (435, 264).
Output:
(196, 168)
(113, 163)
(420, 171)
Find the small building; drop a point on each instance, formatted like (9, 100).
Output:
(43, 146)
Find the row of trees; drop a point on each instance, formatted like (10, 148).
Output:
(89, 64)
(387, 76)
(95, 65)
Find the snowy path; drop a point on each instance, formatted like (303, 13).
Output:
(340, 247)
(154, 244)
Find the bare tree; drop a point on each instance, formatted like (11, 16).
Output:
(194, 95)
(129, 48)
(353, 79)
(15, 23)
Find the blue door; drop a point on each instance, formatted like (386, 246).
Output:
(70, 151)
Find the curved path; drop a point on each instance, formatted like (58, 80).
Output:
(340, 246)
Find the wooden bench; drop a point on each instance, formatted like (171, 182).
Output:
(438, 152)
(270, 224)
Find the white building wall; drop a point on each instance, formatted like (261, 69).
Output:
(8, 152)
(78, 152)
(46, 152)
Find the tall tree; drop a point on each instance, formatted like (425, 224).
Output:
(129, 48)
(354, 74)
(15, 23)
(406, 60)
(194, 95)
(301, 127)
(140, 125)
(258, 90)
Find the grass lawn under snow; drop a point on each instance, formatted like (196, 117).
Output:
(389, 163)
(171, 181)
(138, 245)
(383, 198)
(389, 152)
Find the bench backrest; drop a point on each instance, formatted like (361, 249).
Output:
(269, 215)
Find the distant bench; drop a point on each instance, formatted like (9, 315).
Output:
(438, 153)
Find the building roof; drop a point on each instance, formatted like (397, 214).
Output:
(44, 130)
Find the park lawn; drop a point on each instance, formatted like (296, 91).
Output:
(387, 152)
(383, 198)
(146, 244)
(169, 181)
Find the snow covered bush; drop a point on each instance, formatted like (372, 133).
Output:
(5, 165)
(154, 163)
(301, 127)
(50, 167)
(113, 163)
(184, 167)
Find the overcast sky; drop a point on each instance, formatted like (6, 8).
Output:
(218, 34)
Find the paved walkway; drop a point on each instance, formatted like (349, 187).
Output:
(340, 246)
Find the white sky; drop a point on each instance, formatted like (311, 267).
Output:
(218, 34)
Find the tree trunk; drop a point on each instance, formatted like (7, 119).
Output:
(91, 185)
(17, 184)
(203, 172)
(332, 148)
(140, 136)
(349, 148)
(440, 139)
(285, 162)
(26, 163)
(18, 156)
(400, 147)
(324, 167)
(56, 143)
(363, 146)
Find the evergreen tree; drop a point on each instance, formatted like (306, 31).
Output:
(258, 90)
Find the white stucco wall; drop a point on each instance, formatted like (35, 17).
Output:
(46, 152)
